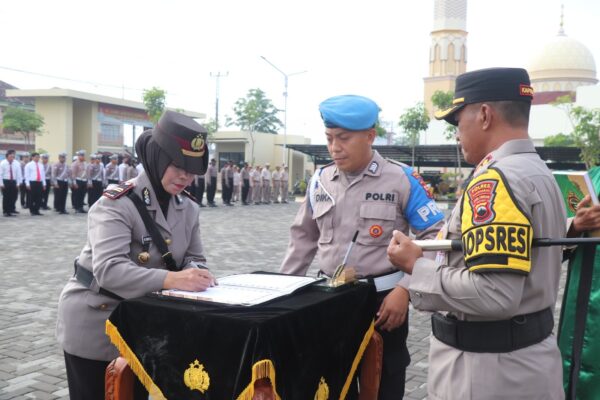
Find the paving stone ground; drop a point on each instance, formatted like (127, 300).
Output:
(36, 259)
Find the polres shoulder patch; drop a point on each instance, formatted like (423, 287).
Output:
(113, 192)
(496, 233)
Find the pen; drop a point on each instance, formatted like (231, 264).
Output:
(341, 267)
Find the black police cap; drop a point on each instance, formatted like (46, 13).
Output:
(184, 141)
(490, 84)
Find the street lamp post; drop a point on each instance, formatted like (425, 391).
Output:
(285, 96)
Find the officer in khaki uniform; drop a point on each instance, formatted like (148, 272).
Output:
(361, 191)
(494, 340)
(61, 178)
(111, 171)
(276, 177)
(257, 187)
(121, 257)
(284, 184)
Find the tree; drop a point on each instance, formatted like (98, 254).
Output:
(586, 134)
(586, 128)
(211, 126)
(442, 101)
(24, 122)
(154, 100)
(559, 139)
(255, 112)
(414, 121)
(381, 131)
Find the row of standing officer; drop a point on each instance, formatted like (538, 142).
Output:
(258, 185)
(81, 176)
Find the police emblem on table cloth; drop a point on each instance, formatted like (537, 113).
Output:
(322, 391)
(481, 198)
(196, 378)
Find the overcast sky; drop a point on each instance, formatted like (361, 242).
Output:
(375, 48)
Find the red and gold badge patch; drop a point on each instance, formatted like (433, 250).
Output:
(375, 231)
(481, 198)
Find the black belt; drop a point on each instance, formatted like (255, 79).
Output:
(86, 277)
(493, 336)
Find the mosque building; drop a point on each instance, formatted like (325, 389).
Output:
(562, 66)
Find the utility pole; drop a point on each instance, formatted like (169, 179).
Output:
(285, 97)
(217, 76)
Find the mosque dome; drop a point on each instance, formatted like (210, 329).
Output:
(562, 65)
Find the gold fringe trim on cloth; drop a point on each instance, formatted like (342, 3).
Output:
(260, 370)
(357, 359)
(134, 363)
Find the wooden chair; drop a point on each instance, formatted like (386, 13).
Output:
(119, 377)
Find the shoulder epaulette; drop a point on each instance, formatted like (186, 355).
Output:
(191, 196)
(398, 163)
(113, 192)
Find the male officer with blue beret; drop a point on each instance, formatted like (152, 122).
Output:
(361, 191)
(494, 339)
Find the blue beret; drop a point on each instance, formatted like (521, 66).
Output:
(351, 112)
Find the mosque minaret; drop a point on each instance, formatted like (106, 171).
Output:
(448, 50)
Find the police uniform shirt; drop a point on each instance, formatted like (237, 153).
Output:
(276, 176)
(60, 172)
(111, 171)
(510, 207)
(47, 171)
(265, 174)
(386, 196)
(94, 172)
(123, 172)
(6, 167)
(116, 237)
(79, 170)
(211, 171)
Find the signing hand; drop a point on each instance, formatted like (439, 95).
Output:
(393, 310)
(402, 252)
(587, 217)
(191, 279)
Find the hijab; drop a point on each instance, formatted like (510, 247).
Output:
(155, 162)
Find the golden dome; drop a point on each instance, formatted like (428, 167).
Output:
(563, 63)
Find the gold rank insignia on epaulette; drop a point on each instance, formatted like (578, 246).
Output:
(113, 192)
(496, 232)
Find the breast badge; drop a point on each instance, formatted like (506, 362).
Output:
(196, 378)
(375, 231)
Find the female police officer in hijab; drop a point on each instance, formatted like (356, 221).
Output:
(122, 258)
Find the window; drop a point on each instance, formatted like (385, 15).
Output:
(110, 135)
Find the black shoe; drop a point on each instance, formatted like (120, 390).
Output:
(276, 202)
(63, 212)
(15, 212)
(201, 205)
(212, 205)
(80, 211)
(8, 215)
(37, 214)
(45, 208)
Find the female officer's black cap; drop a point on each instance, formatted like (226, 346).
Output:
(184, 141)
(491, 84)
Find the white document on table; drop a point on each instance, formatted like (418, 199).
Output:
(246, 289)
